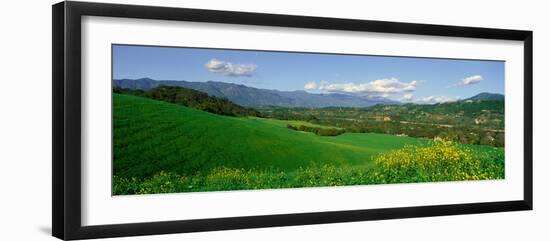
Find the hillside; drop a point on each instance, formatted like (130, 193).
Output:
(152, 136)
(487, 96)
(191, 98)
(466, 122)
(254, 97)
(488, 114)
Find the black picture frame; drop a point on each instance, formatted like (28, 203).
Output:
(66, 47)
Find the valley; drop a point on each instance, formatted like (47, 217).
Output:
(174, 139)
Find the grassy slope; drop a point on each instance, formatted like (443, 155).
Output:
(152, 136)
(283, 123)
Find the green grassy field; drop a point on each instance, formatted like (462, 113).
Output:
(152, 136)
(157, 145)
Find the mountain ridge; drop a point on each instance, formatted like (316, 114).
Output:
(254, 97)
(487, 96)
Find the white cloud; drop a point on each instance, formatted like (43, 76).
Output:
(471, 80)
(435, 99)
(376, 87)
(230, 69)
(310, 85)
(407, 97)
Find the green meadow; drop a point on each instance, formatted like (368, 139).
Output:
(160, 147)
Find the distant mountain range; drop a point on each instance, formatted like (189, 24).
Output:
(487, 96)
(254, 97)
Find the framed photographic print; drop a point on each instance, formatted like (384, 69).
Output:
(170, 120)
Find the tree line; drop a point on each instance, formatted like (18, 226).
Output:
(317, 130)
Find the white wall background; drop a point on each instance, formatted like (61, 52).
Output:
(25, 119)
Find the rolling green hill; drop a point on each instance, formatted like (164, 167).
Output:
(191, 98)
(151, 136)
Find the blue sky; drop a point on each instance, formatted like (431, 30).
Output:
(422, 80)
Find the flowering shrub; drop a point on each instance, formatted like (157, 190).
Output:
(440, 161)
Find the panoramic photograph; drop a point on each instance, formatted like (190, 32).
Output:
(202, 120)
